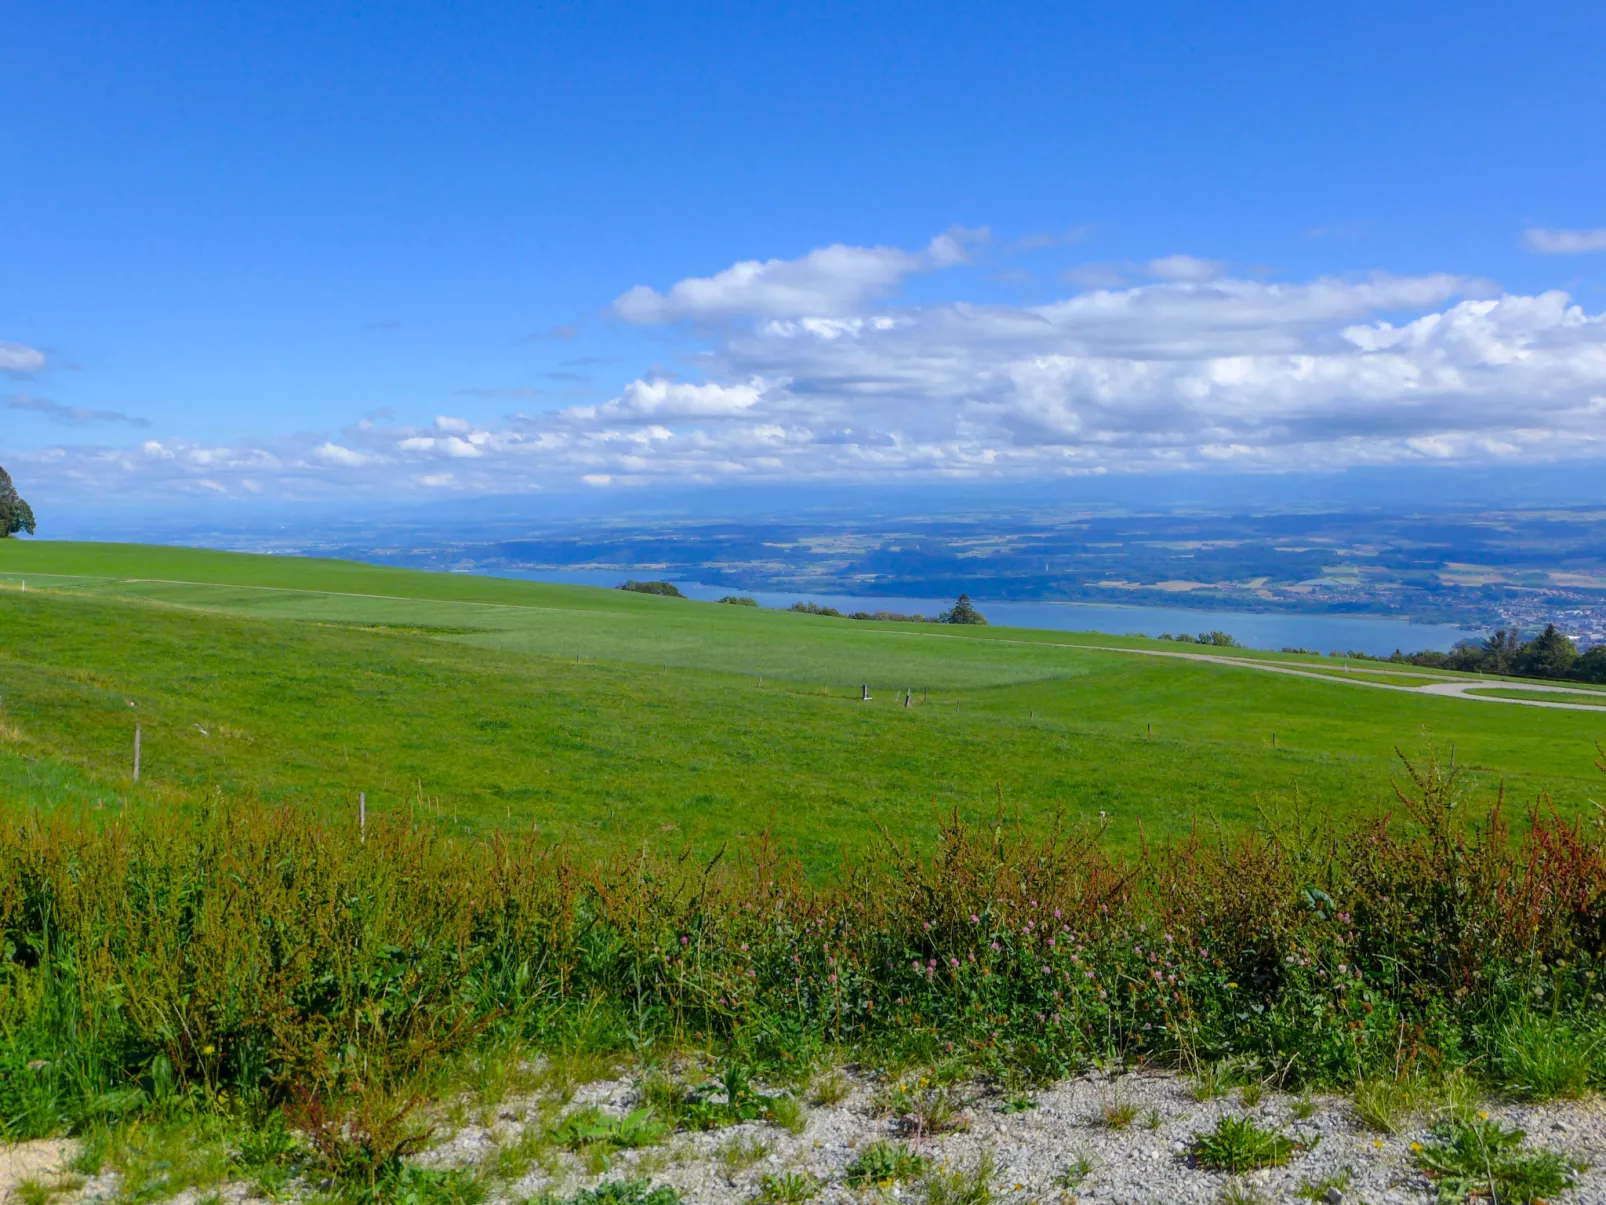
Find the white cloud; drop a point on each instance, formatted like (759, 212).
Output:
(665, 400)
(1564, 242)
(331, 453)
(20, 358)
(1216, 374)
(828, 281)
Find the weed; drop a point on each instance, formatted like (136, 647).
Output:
(1076, 1171)
(885, 1164)
(1303, 1108)
(740, 1152)
(1018, 1102)
(534, 1145)
(829, 1089)
(1211, 1080)
(925, 1104)
(728, 1100)
(787, 1188)
(1116, 1112)
(788, 1113)
(33, 1192)
(1483, 1159)
(962, 1186)
(1542, 1059)
(1383, 1103)
(591, 1127)
(93, 1146)
(1320, 1188)
(1241, 1192)
(1152, 1120)
(616, 1192)
(1240, 1144)
(1252, 1093)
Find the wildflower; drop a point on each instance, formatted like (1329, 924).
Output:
(208, 1049)
(1416, 1146)
(1378, 1143)
(953, 962)
(974, 919)
(1232, 985)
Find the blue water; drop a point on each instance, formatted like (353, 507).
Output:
(1378, 635)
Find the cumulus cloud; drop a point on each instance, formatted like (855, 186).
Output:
(70, 416)
(1544, 241)
(828, 281)
(1196, 369)
(19, 358)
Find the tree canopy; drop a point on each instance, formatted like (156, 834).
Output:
(15, 514)
(962, 612)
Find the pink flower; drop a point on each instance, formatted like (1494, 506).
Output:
(953, 962)
(974, 919)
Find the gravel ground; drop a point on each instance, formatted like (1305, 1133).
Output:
(1030, 1149)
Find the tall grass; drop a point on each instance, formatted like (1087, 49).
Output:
(251, 956)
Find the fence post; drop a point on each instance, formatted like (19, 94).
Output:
(136, 752)
(362, 817)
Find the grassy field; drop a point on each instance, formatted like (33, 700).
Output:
(590, 714)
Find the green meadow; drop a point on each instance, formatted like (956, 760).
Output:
(590, 715)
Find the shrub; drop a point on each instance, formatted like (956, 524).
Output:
(739, 600)
(667, 589)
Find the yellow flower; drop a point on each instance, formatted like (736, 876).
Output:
(1232, 985)
(1416, 1146)
(1483, 1115)
(208, 1049)
(1378, 1143)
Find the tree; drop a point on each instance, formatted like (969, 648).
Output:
(1591, 667)
(962, 612)
(15, 514)
(1547, 655)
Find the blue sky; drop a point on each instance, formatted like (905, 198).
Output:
(327, 251)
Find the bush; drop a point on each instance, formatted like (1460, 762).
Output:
(667, 589)
(151, 960)
(809, 608)
(739, 600)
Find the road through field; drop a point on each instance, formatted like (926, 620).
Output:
(1448, 688)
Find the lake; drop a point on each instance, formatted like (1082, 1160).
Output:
(1377, 635)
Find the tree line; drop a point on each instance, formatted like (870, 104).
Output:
(1551, 654)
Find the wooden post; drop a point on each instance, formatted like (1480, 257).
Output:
(136, 752)
(908, 697)
(864, 693)
(1151, 730)
(1274, 740)
(362, 816)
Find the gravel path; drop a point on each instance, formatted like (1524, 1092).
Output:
(1031, 1150)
